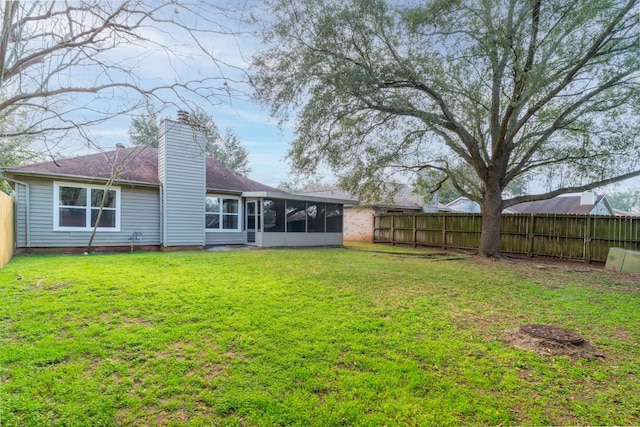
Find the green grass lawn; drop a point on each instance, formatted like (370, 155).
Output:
(309, 337)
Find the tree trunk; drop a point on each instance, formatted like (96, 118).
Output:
(491, 219)
(105, 192)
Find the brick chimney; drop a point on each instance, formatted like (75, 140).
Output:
(183, 117)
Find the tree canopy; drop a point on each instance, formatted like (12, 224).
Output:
(225, 146)
(628, 201)
(16, 149)
(484, 93)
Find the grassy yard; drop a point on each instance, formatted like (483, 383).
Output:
(310, 337)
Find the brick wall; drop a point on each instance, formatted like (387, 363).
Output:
(358, 224)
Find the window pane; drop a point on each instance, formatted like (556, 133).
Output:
(315, 217)
(230, 222)
(230, 206)
(107, 219)
(72, 196)
(212, 221)
(334, 218)
(212, 204)
(296, 216)
(274, 215)
(72, 217)
(96, 199)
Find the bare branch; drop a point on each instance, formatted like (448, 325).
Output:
(572, 189)
(61, 60)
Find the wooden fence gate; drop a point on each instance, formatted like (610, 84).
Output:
(578, 237)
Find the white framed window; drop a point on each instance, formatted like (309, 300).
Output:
(76, 207)
(222, 213)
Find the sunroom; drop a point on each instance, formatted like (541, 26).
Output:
(273, 220)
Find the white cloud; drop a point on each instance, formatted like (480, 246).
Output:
(269, 169)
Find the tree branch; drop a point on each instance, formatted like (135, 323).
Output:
(565, 190)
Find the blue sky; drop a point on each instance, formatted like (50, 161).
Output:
(265, 141)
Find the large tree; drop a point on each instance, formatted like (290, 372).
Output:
(484, 92)
(225, 147)
(68, 65)
(16, 149)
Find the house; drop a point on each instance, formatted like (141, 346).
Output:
(462, 204)
(172, 197)
(587, 203)
(634, 211)
(358, 219)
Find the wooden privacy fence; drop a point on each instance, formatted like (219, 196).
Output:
(7, 235)
(580, 237)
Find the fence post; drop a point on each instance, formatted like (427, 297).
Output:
(586, 252)
(393, 230)
(444, 231)
(530, 231)
(373, 226)
(415, 231)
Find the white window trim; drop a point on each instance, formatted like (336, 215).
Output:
(56, 206)
(225, 230)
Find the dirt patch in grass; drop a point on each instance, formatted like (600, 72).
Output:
(547, 347)
(409, 252)
(40, 285)
(540, 269)
(548, 270)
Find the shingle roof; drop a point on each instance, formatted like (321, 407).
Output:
(142, 168)
(557, 205)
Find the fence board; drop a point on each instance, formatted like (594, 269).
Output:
(7, 235)
(580, 237)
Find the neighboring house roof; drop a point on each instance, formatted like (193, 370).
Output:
(565, 204)
(620, 212)
(568, 204)
(143, 168)
(402, 200)
(462, 204)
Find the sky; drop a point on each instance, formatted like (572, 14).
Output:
(265, 141)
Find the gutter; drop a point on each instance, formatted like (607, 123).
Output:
(224, 191)
(27, 207)
(79, 178)
(298, 197)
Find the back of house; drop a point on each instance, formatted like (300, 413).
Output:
(172, 197)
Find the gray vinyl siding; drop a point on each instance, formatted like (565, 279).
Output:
(139, 211)
(300, 239)
(182, 173)
(601, 208)
(21, 216)
(224, 238)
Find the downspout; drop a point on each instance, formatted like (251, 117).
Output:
(162, 223)
(27, 208)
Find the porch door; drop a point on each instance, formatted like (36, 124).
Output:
(252, 219)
